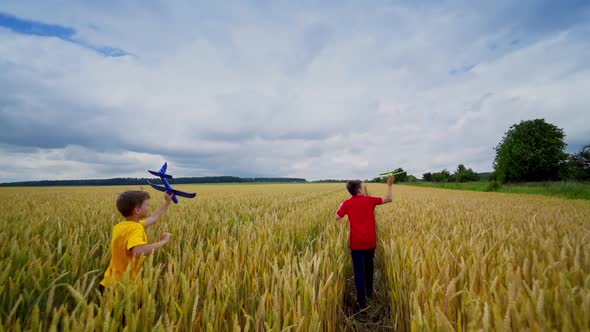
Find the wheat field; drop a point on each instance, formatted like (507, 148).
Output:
(271, 257)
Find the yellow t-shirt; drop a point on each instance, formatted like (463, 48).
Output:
(126, 235)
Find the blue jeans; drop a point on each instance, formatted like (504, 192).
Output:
(362, 260)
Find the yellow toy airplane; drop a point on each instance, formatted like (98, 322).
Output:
(391, 173)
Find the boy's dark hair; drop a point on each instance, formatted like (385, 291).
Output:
(353, 186)
(129, 200)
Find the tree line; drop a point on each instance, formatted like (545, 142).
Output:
(530, 151)
(143, 181)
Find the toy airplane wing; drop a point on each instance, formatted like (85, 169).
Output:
(162, 175)
(173, 191)
(392, 173)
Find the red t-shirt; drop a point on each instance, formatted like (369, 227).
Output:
(361, 216)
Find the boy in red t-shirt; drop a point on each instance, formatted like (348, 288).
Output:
(360, 209)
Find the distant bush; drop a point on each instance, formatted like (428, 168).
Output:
(493, 185)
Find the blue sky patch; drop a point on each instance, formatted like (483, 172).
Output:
(461, 70)
(35, 28)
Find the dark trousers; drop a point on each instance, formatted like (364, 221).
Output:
(362, 260)
(101, 289)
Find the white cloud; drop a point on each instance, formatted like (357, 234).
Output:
(327, 92)
(74, 162)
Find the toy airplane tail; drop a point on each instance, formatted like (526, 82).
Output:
(162, 172)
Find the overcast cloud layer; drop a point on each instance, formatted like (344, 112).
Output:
(333, 89)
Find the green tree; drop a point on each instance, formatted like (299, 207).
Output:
(531, 151)
(442, 176)
(463, 174)
(580, 164)
(427, 177)
(379, 180)
(403, 177)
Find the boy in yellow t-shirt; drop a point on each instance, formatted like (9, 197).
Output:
(129, 244)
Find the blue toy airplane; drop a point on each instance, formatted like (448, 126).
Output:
(167, 187)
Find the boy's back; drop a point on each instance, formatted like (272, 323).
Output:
(361, 215)
(126, 235)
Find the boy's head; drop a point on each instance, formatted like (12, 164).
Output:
(356, 188)
(134, 203)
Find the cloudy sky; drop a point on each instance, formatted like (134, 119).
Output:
(313, 89)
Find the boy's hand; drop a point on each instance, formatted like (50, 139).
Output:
(390, 180)
(165, 237)
(168, 197)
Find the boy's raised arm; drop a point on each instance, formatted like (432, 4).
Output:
(156, 215)
(389, 197)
